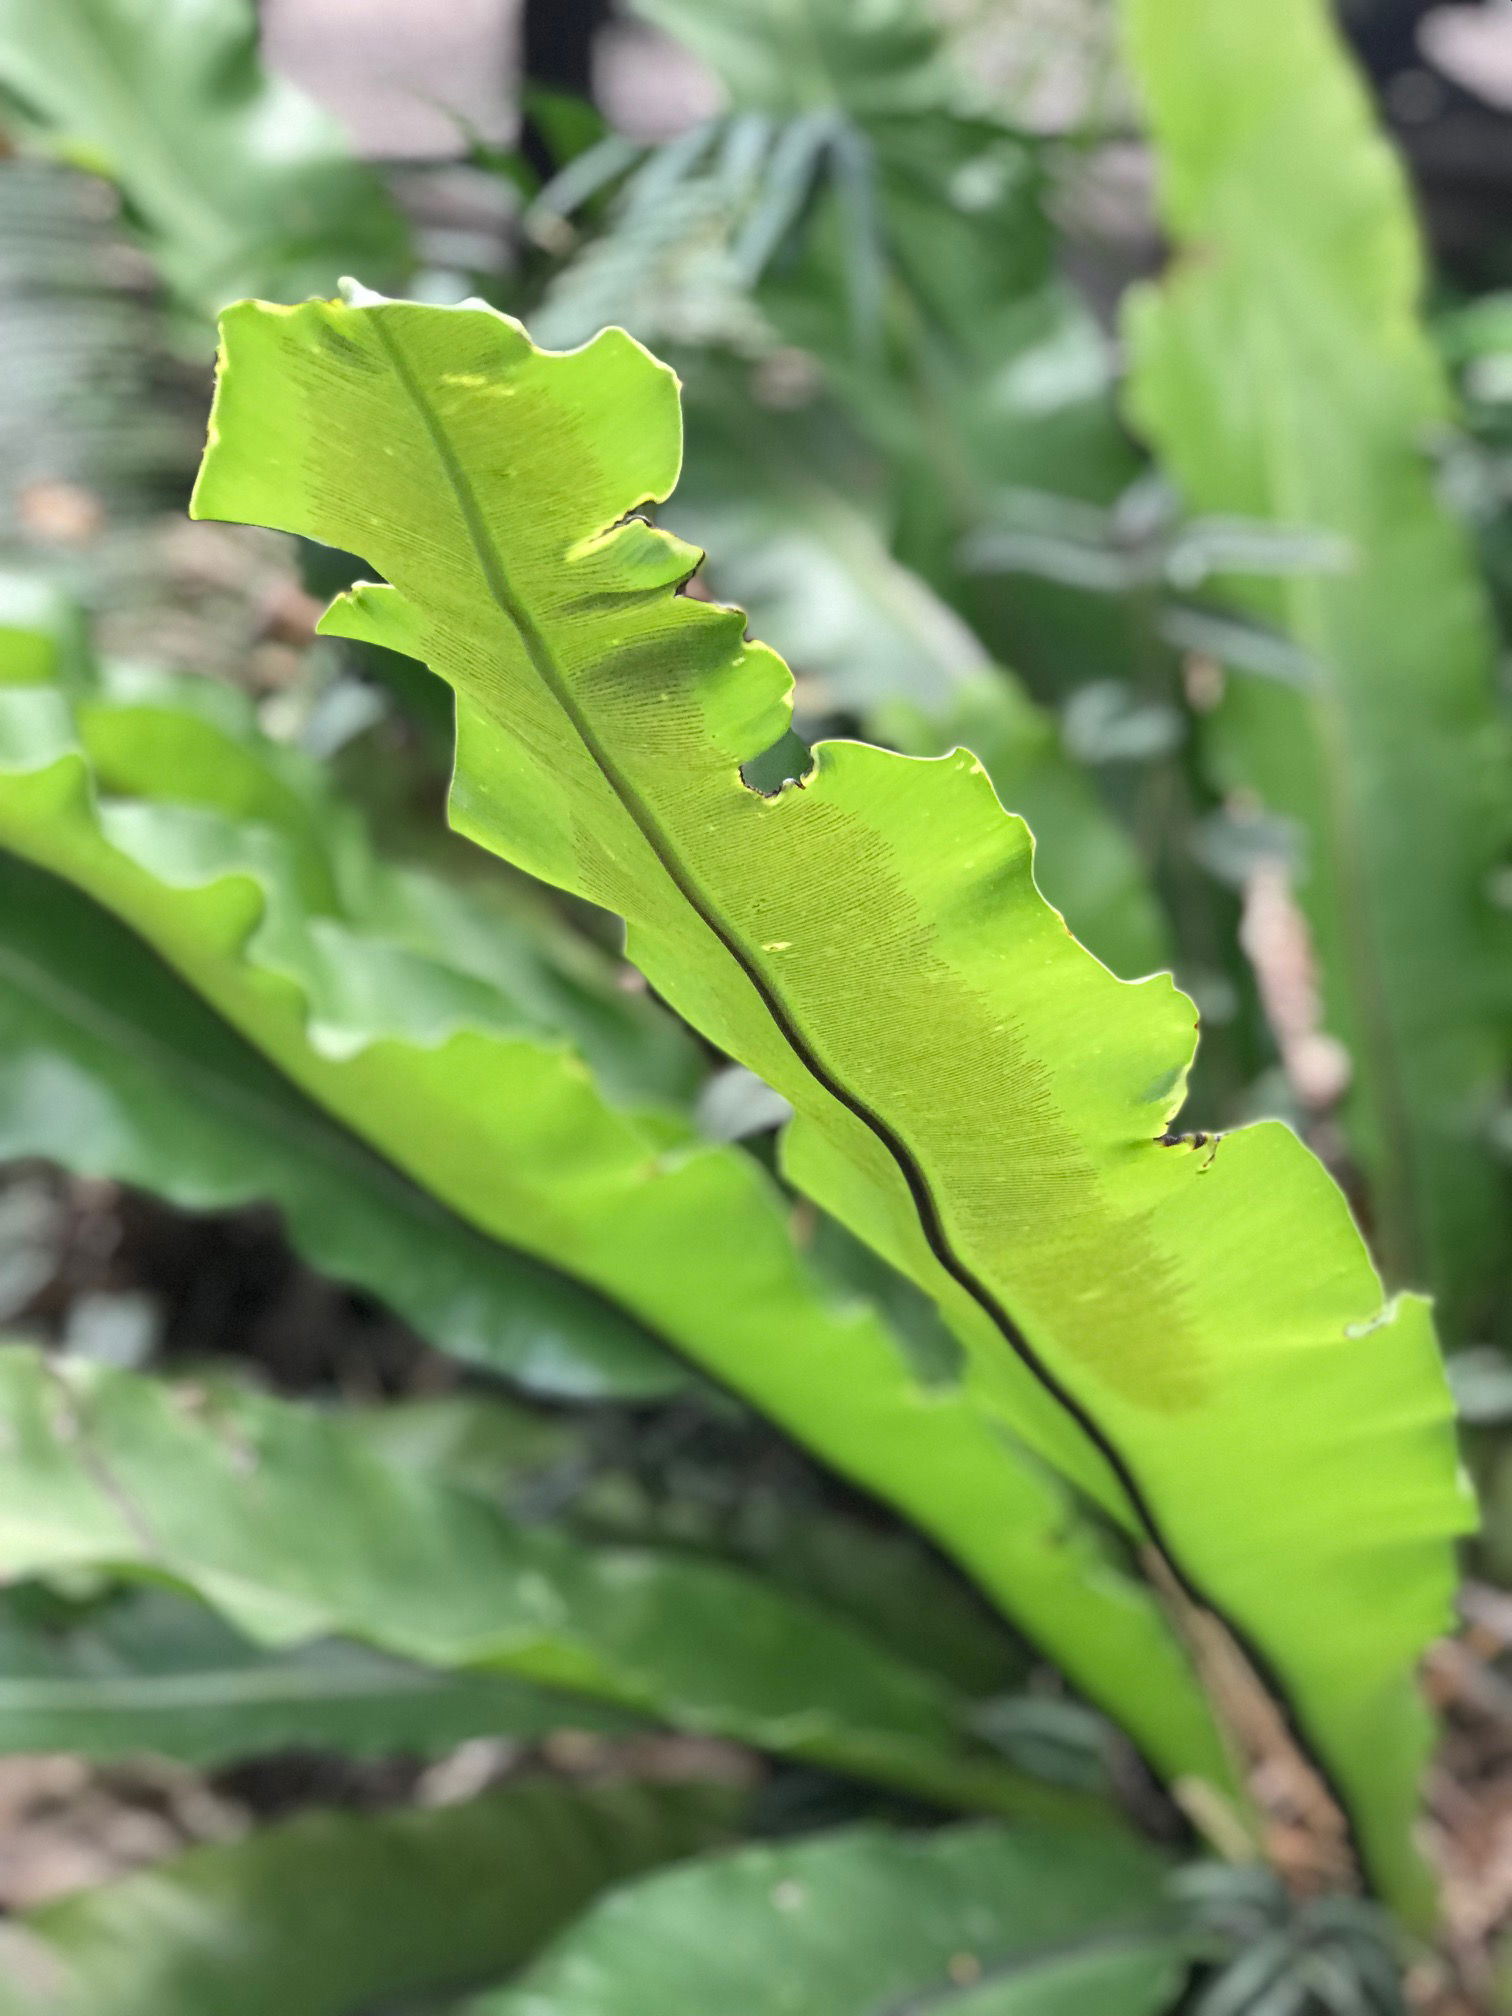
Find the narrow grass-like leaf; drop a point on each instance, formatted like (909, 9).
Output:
(336, 1913)
(1281, 370)
(1198, 1339)
(977, 1921)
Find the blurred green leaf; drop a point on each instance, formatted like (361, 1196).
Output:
(151, 1672)
(333, 1913)
(717, 1482)
(976, 1921)
(974, 1094)
(110, 1065)
(886, 58)
(241, 184)
(1282, 371)
(483, 1442)
(85, 403)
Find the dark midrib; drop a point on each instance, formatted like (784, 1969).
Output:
(959, 1270)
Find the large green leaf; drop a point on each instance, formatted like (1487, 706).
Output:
(1198, 1338)
(286, 1522)
(334, 1913)
(110, 1065)
(151, 1672)
(717, 1482)
(241, 183)
(977, 1920)
(205, 842)
(1282, 372)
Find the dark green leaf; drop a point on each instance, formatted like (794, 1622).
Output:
(151, 1672)
(333, 1913)
(293, 1527)
(977, 1921)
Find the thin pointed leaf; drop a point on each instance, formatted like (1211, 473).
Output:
(785, 188)
(862, 244)
(584, 177)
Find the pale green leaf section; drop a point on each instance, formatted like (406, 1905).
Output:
(1199, 1339)
(287, 1523)
(241, 183)
(334, 1913)
(200, 841)
(150, 1672)
(977, 1920)
(1282, 372)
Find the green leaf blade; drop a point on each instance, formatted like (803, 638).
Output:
(1282, 370)
(153, 1674)
(111, 1066)
(813, 571)
(975, 1095)
(866, 1921)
